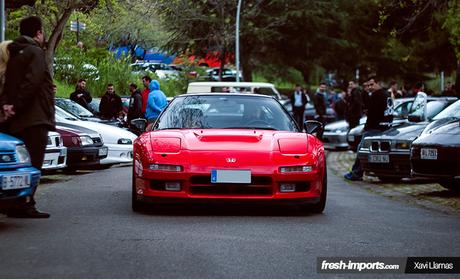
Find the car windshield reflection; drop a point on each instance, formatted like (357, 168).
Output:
(226, 112)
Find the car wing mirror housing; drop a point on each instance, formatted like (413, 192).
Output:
(139, 124)
(313, 127)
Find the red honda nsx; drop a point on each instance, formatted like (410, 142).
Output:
(224, 146)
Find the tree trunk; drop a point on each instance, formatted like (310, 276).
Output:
(247, 69)
(222, 62)
(305, 71)
(55, 37)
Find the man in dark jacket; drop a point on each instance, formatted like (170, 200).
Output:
(298, 101)
(81, 95)
(378, 104)
(320, 102)
(135, 103)
(111, 105)
(28, 101)
(354, 108)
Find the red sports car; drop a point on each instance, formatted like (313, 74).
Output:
(223, 146)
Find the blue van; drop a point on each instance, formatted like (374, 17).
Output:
(18, 179)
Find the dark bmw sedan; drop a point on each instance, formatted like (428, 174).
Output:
(436, 153)
(85, 149)
(387, 155)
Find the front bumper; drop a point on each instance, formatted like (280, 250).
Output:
(10, 197)
(197, 187)
(446, 166)
(398, 165)
(83, 157)
(55, 159)
(118, 153)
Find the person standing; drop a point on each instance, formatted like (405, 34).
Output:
(156, 102)
(394, 91)
(81, 96)
(378, 104)
(146, 80)
(135, 103)
(320, 102)
(28, 101)
(111, 106)
(354, 108)
(298, 101)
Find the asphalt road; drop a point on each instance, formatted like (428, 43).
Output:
(92, 233)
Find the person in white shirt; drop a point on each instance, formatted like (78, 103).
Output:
(298, 101)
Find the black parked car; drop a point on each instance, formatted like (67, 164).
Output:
(408, 112)
(436, 153)
(387, 155)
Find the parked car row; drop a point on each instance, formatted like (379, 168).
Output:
(426, 145)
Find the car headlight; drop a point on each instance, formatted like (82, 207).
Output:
(22, 154)
(296, 169)
(82, 140)
(125, 141)
(366, 145)
(403, 144)
(161, 167)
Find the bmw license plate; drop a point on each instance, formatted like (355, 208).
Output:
(379, 158)
(429, 153)
(231, 176)
(103, 151)
(15, 181)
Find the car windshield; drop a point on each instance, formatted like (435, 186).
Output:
(451, 111)
(73, 108)
(432, 109)
(226, 112)
(62, 115)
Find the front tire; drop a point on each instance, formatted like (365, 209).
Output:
(319, 206)
(137, 206)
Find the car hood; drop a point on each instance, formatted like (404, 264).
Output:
(447, 132)
(230, 140)
(8, 143)
(404, 132)
(337, 125)
(110, 134)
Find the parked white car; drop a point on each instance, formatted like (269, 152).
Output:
(119, 141)
(56, 153)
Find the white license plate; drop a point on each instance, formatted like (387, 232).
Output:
(15, 181)
(379, 158)
(231, 176)
(429, 153)
(103, 151)
(351, 138)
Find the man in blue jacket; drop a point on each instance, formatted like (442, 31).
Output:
(156, 102)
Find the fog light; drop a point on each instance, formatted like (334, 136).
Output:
(296, 169)
(172, 186)
(287, 187)
(122, 155)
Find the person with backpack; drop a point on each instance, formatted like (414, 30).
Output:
(28, 101)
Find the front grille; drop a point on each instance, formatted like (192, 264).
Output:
(446, 163)
(231, 189)
(58, 142)
(255, 180)
(384, 146)
(7, 158)
(375, 146)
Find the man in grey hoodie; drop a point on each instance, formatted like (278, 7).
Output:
(28, 100)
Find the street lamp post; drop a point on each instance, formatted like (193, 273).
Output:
(3, 21)
(237, 41)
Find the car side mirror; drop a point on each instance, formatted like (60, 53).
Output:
(139, 124)
(414, 118)
(314, 128)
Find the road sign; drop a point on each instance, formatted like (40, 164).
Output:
(77, 26)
